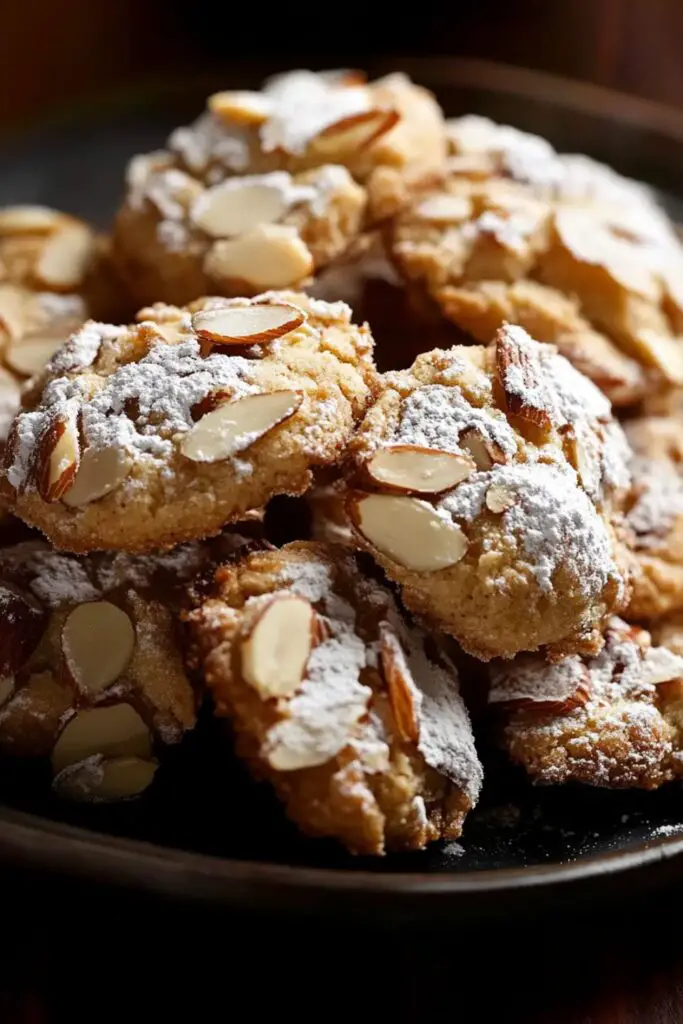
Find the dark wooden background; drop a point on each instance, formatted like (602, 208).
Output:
(69, 953)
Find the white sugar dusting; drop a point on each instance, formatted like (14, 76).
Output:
(54, 578)
(436, 417)
(659, 501)
(82, 348)
(530, 678)
(551, 523)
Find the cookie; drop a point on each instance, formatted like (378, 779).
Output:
(615, 720)
(91, 670)
(656, 518)
(164, 431)
(600, 281)
(488, 483)
(353, 717)
(267, 188)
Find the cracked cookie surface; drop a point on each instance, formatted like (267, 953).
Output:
(145, 436)
(353, 716)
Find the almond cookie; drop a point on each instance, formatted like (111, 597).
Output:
(354, 717)
(263, 190)
(488, 482)
(656, 518)
(148, 435)
(615, 720)
(91, 672)
(600, 281)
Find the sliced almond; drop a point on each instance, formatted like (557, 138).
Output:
(275, 653)
(227, 210)
(410, 468)
(404, 696)
(12, 310)
(585, 461)
(115, 730)
(444, 208)
(247, 325)
(499, 498)
(237, 425)
(269, 256)
(352, 134)
(662, 352)
(240, 107)
(522, 380)
(29, 220)
(484, 452)
(408, 531)
(98, 640)
(22, 623)
(532, 685)
(31, 353)
(661, 665)
(100, 472)
(98, 781)
(58, 457)
(65, 258)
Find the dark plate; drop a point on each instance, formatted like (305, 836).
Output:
(204, 832)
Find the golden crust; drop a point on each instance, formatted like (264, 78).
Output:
(362, 781)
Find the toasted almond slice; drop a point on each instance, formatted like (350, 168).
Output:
(98, 640)
(100, 472)
(499, 498)
(58, 457)
(352, 134)
(247, 325)
(521, 378)
(404, 696)
(269, 256)
(408, 531)
(22, 622)
(12, 310)
(484, 452)
(234, 426)
(29, 220)
(661, 665)
(275, 653)
(226, 210)
(410, 468)
(31, 353)
(98, 781)
(64, 261)
(240, 107)
(6, 688)
(530, 684)
(111, 731)
(662, 352)
(443, 208)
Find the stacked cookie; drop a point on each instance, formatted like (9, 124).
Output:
(483, 502)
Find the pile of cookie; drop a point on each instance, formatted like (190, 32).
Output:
(505, 497)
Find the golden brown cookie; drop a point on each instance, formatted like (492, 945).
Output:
(148, 435)
(267, 188)
(614, 720)
(598, 280)
(488, 483)
(354, 717)
(656, 517)
(91, 670)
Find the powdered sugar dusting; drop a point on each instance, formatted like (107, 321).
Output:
(530, 678)
(82, 348)
(54, 578)
(551, 523)
(436, 417)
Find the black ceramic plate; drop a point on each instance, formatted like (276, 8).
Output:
(204, 831)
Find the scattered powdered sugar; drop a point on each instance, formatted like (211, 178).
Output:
(530, 678)
(54, 578)
(82, 348)
(436, 417)
(61, 307)
(121, 569)
(309, 579)
(445, 736)
(209, 142)
(663, 831)
(552, 520)
(173, 235)
(659, 501)
(303, 105)
(512, 230)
